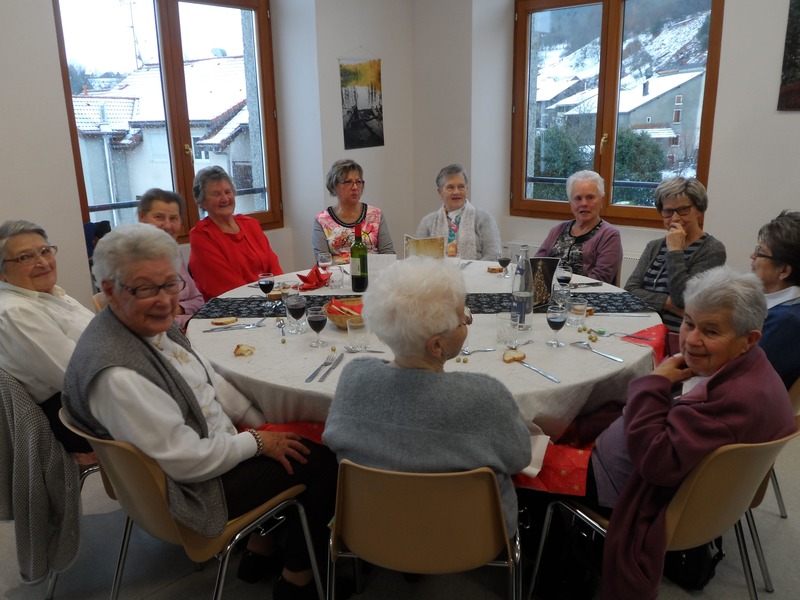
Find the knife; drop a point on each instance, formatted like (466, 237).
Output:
(580, 285)
(539, 371)
(332, 367)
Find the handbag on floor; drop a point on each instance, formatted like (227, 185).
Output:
(692, 569)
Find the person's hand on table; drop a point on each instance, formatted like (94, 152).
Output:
(674, 368)
(283, 445)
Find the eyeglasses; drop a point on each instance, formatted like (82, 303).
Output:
(758, 254)
(352, 182)
(681, 210)
(28, 258)
(142, 292)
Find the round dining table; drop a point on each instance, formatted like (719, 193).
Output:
(274, 375)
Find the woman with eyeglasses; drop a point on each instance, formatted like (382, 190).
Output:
(39, 323)
(776, 261)
(229, 250)
(669, 262)
(412, 415)
(134, 377)
(470, 233)
(334, 227)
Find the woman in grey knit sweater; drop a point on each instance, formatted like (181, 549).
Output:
(409, 414)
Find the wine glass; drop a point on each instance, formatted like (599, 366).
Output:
(560, 294)
(563, 273)
(296, 307)
(266, 281)
(324, 262)
(556, 318)
(317, 319)
(504, 258)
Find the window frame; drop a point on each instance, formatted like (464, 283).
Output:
(605, 135)
(179, 134)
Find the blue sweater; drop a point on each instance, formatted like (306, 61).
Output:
(779, 340)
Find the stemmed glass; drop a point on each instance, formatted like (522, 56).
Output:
(296, 307)
(504, 259)
(266, 282)
(556, 318)
(563, 273)
(560, 294)
(317, 319)
(324, 262)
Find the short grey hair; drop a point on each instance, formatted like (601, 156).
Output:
(339, 171)
(154, 194)
(202, 178)
(722, 288)
(450, 171)
(586, 176)
(13, 228)
(782, 237)
(412, 301)
(128, 244)
(682, 186)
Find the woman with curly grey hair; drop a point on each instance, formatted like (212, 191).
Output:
(411, 415)
(39, 323)
(334, 227)
(228, 250)
(667, 263)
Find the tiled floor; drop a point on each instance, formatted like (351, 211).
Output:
(158, 571)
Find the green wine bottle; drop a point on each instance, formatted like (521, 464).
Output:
(358, 263)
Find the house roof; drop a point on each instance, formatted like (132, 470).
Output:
(214, 86)
(547, 89)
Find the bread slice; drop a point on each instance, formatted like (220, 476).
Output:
(243, 350)
(494, 269)
(510, 356)
(224, 321)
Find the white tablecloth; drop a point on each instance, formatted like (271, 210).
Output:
(274, 376)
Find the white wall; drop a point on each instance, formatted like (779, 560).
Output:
(447, 97)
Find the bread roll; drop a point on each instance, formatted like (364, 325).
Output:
(494, 269)
(510, 356)
(224, 321)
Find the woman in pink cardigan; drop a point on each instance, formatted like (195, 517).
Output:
(228, 250)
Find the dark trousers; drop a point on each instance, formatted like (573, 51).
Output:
(70, 441)
(258, 479)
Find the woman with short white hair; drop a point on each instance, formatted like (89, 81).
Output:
(411, 415)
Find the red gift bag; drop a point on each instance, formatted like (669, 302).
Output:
(563, 471)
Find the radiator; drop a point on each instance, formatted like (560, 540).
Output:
(629, 259)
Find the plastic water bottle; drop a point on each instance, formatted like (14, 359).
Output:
(522, 290)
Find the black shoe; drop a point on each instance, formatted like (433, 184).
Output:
(255, 567)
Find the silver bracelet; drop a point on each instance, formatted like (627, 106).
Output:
(259, 442)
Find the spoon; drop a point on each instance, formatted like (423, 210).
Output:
(515, 346)
(467, 351)
(588, 347)
(352, 350)
(279, 323)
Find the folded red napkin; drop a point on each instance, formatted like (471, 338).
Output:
(659, 334)
(345, 308)
(314, 279)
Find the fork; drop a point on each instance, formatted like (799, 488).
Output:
(467, 351)
(328, 362)
(621, 334)
(237, 326)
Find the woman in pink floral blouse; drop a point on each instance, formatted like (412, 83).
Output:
(334, 226)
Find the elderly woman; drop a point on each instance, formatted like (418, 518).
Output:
(134, 377)
(39, 323)
(469, 232)
(164, 209)
(409, 414)
(730, 394)
(228, 250)
(776, 261)
(586, 243)
(334, 226)
(667, 263)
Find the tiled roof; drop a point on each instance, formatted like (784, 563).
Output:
(228, 132)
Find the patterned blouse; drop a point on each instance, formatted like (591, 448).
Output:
(340, 234)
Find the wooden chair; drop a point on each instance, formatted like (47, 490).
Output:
(429, 523)
(99, 301)
(47, 528)
(714, 496)
(139, 485)
(794, 394)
